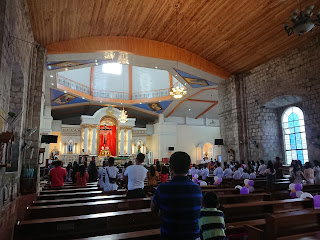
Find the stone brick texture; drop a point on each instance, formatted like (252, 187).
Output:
(249, 125)
(21, 81)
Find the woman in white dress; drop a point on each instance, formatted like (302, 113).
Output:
(316, 170)
(308, 173)
(110, 176)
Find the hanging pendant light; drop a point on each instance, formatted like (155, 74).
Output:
(123, 117)
(179, 91)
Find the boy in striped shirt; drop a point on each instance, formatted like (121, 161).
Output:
(211, 222)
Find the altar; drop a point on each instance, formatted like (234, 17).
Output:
(103, 135)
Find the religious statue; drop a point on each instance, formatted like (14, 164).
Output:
(107, 152)
(102, 151)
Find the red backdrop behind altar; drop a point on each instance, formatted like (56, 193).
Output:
(108, 138)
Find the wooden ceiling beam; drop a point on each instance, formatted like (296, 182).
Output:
(138, 46)
(205, 111)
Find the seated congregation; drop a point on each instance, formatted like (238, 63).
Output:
(179, 201)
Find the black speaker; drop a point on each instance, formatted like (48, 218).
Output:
(171, 148)
(218, 142)
(49, 139)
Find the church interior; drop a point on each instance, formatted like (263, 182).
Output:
(227, 82)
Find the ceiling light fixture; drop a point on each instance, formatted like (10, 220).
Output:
(66, 69)
(109, 55)
(177, 92)
(83, 98)
(65, 91)
(101, 101)
(123, 58)
(97, 63)
(51, 76)
(302, 22)
(52, 84)
(155, 67)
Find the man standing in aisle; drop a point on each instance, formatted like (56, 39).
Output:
(179, 201)
(136, 175)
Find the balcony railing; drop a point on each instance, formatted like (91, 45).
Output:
(110, 94)
(73, 85)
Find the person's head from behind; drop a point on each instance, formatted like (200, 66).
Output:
(111, 161)
(104, 163)
(245, 170)
(211, 200)
(218, 164)
(205, 166)
(270, 165)
(261, 162)
(152, 171)
(316, 163)
(164, 170)
(82, 170)
(130, 163)
(140, 158)
(57, 163)
(277, 159)
(236, 167)
(227, 166)
(194, 165)
(179, 163)
(307, 165)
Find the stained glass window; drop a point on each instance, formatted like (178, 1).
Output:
(294, 135)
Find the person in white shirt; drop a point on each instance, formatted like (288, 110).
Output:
(245, 174)
(218, 171)
(101, 175)
(136, 175)
(110, 179)
(237, 174)
(205, 172)
(227, 173)
(240, 169)
(262, 168)
(193, 169)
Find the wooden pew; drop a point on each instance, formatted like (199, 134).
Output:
(70, 184)
(256, 210)
(77, 200)
(68, 187)
(75, 209)
(70, 190)
(87, 225)
(82, 208)
(304, 236)
(155, 233)
(79, 194)
(285, 225)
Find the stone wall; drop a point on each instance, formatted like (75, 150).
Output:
(264, 93)
(21, 69)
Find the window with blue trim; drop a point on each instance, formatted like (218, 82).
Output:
(294, 135)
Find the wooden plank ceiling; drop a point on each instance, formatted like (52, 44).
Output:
(236, 35)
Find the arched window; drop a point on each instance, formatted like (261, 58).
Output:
(294, 135)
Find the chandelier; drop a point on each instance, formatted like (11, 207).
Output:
(123, 117)
(178, 92)
(302, 22)
(123, 58)
(109, 55)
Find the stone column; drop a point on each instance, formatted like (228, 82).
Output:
(85, 143)
(122, 142)
(66, 148)
(129, 142)
(94, 137)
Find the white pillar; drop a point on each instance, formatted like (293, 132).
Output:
(94, 137)
(129, 142)
(65, 148)
(85, 143)
(122, 142)
(201, 153)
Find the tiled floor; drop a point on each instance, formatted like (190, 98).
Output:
(12, 213)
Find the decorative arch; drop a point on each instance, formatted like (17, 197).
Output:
(205, 150)
(138, 46)
(294, 135)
